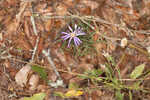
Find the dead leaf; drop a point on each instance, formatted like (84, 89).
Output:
(27, 27)
(21, 77)
(61, 10)
(66, 77)
(69, 3)
(12, 2)
(44, 9)
(27, 13)
(19, 16)
(1, 18)
(11, 28)
(140, 37)
(100, 46)
(96, 94)
(42, 88)
(84, 9)
(86, 66)
(111, 47)
(52, 76)
(92, 4)
(48, 25)
(33, 82)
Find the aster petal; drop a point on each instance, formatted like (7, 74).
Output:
(69, 42)
(70, 28)
(66, 37)
(75, 42)
(78, 41)
(75, 26)
(80, 33)
(64, 33)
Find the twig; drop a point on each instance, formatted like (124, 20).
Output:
(35, 48)
(74, 73)
(139, 49)
(19, 15)
(33, 24)
(37, 40)
(97, 19)
(47, 54)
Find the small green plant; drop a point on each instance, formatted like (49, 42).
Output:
(93, 75)
(113, 80)
(110, 77)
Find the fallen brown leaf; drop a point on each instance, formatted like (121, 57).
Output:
(21, 77)
(61, 10)
(33, 81)
(48, 25)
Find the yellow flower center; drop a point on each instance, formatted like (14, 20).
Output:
(72, 34)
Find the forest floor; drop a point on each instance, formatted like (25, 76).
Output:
(74, 50)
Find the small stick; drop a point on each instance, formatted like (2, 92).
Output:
(33, 24)
(97, 19)
(47, 54)
(74, 73)
(139, 49)
(35, 48)
(37, 40)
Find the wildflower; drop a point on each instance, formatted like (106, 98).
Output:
(72, 35)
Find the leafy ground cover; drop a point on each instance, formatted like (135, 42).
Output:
(74, 50)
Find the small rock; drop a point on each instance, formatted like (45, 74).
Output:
(124, 42)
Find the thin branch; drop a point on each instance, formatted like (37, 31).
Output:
(47, 54)
(73, 73)
(35, 48)
(33, 24)
(37, 40)
(19, 15)
(97, 19)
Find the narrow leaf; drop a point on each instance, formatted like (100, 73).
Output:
(60, 94)
(119, 95)
(137, 71)
(41, 71)
(39, 96)
(73, 86)
(130, 95)
(73, 93)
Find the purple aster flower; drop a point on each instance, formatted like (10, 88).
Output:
(72, 35)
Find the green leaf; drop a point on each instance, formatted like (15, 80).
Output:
(130, 95)
(41, 71)
(119, 95)
(73, 86)
(136, 85)
(60, 94)
(73, 93)
(137, 71)
(39, 96)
